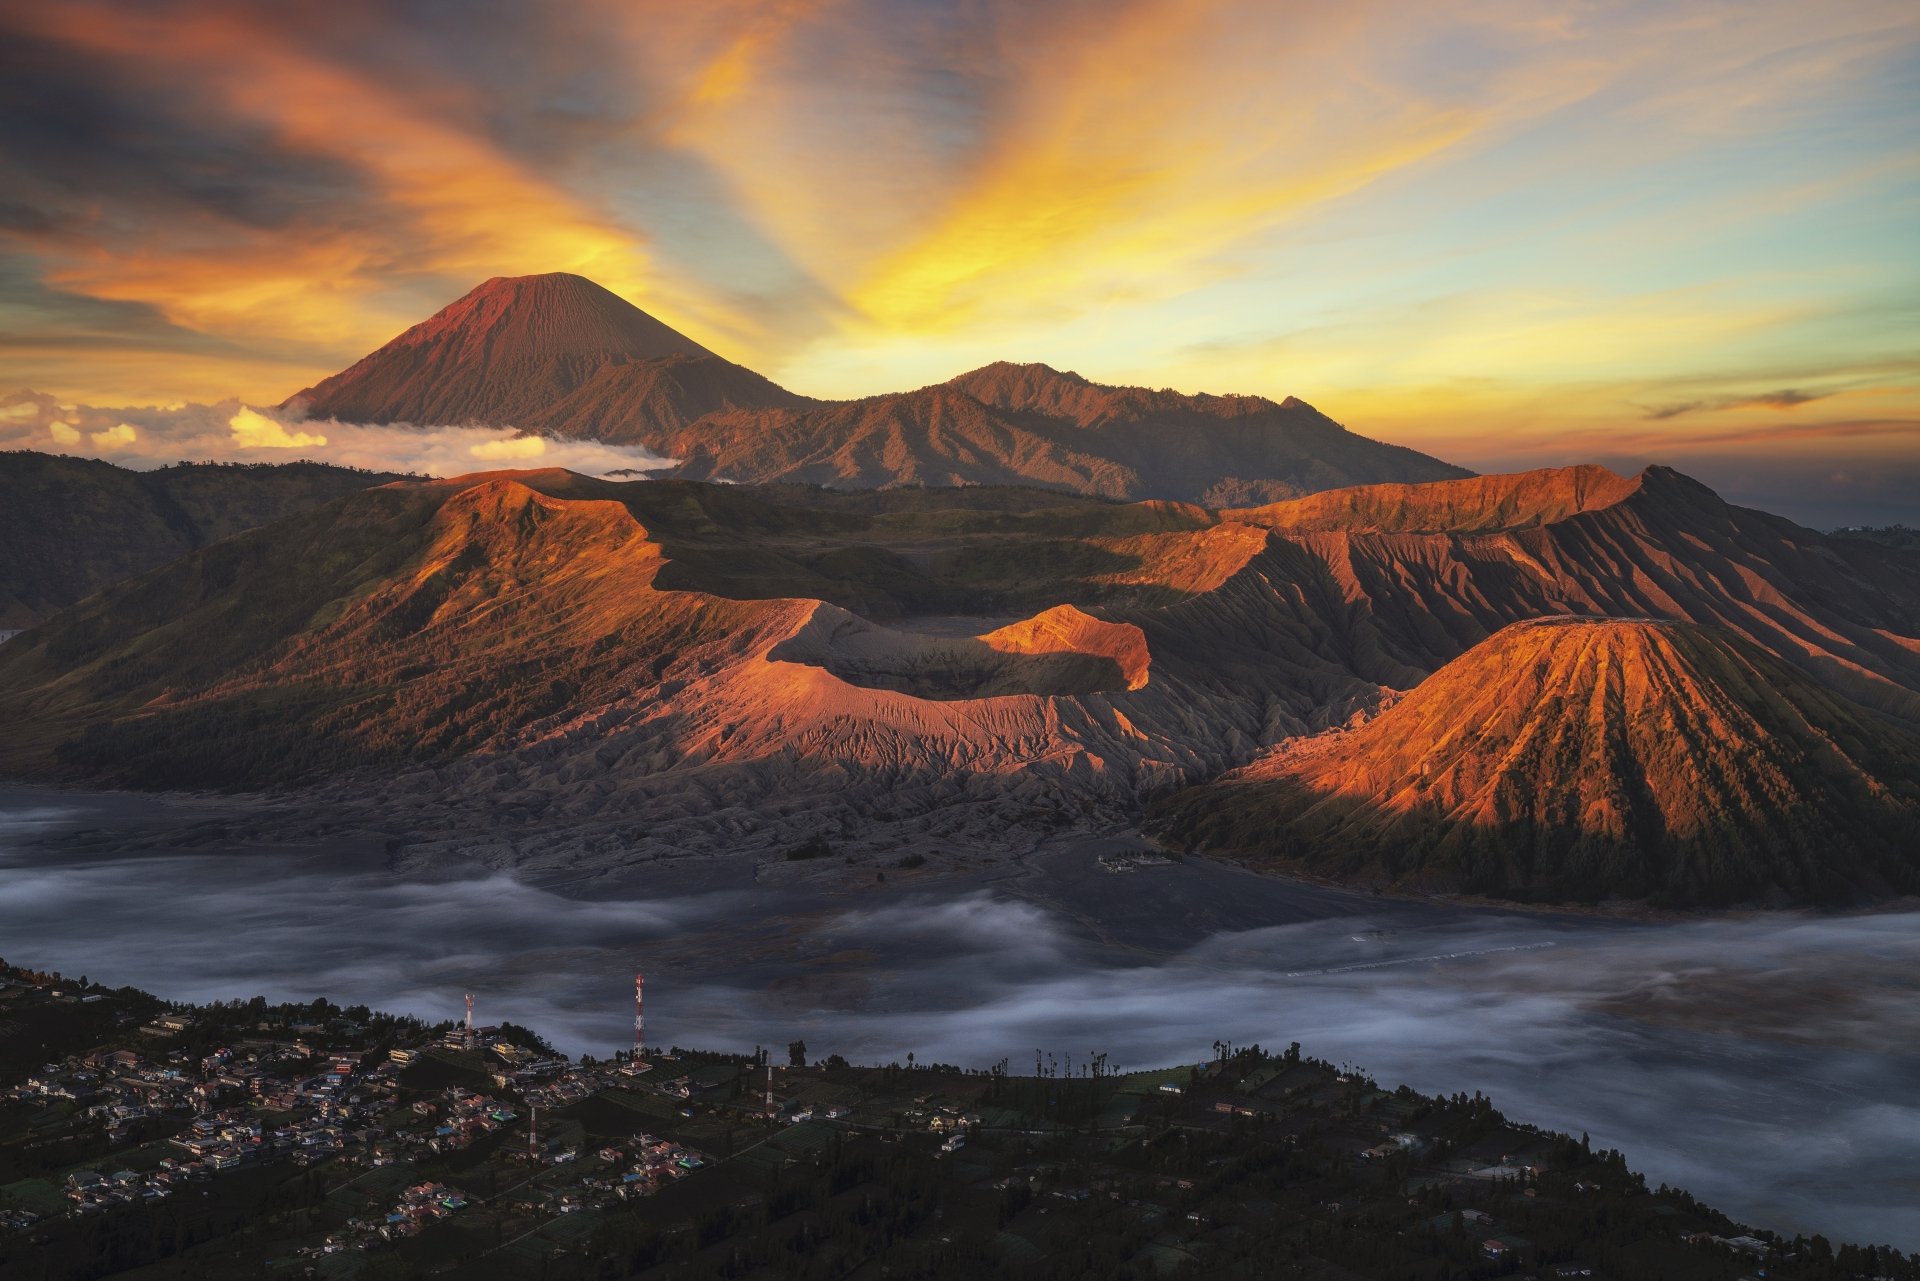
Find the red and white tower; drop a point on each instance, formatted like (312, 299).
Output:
(469, 1018)
(639, 1017)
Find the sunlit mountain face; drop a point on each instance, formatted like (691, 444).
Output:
(1569, 686)
(1508, 236)
(1133, 531)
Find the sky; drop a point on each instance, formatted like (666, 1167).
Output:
(1511, 234)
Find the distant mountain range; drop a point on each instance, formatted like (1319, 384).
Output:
(557, 355)
(660, 666)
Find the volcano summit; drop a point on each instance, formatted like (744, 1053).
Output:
(557, 355)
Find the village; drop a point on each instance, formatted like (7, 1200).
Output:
(347, 1143)
(317, 1096)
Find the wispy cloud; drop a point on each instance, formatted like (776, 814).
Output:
(1785, 398)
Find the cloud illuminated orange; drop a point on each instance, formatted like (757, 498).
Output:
(1490, 229)
(467, 210)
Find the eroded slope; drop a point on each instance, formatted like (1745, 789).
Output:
(708, 664)
(1580, 758)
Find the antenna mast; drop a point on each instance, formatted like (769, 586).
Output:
(639, 1017)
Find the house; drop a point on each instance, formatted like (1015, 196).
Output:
(1507, 1247)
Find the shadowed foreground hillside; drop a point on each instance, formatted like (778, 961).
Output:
(365, 1146)
(71, 526)
(1581, 759)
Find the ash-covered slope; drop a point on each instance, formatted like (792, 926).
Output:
(71, 526)
(555, 354)
(530, 644)
(1567, 759)
(558, 355)
(1401, 579)
(723, 664)
(407, 622)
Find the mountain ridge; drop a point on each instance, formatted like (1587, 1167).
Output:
(729, 664)
(560, 356)
(72, 526)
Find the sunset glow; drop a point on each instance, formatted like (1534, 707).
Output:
(1508, 234)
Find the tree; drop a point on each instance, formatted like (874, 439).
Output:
(797, 1054)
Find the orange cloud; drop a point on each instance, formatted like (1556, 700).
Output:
(254, 430)
(458, 206)
(513, 447)
(118, 436)
(756, 36)
(1145, 144)
(1361, 204)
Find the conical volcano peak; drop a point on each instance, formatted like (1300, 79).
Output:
(547, 316)
(512, 350)
(557, 355)
(1573, 758)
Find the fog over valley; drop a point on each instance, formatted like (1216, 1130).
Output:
(1762, 1062)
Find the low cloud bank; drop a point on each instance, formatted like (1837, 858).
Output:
(230, 431)
(1759, 1062)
